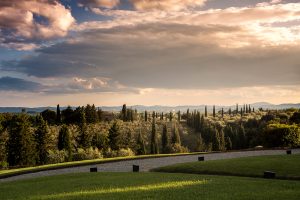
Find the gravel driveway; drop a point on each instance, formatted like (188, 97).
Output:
(147, 164)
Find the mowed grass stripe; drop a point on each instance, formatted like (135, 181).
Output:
(285, 166)
(92, 186)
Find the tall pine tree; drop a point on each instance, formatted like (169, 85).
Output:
(165, 139)
(41, 135)
(113, 136)
(21, 145)
(141, 147)
(154, 144)
(58, 115)
(175, 135)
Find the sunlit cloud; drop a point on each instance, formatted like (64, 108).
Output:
(137, 50)
(168, 5)
(18, 19)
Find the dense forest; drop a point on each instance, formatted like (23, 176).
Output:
(90, 133)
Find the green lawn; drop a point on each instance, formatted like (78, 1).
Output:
(149, 186)
(285, 166)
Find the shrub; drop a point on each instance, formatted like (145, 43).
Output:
(118, 153)
(3, 165)
(56, 156)
(177, 148)
(125, 152)
(282, 135)
(87, 154)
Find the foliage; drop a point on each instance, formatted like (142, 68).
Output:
(91, 128)
(41, 139)
(87, 154)
(177, 148)
(282, 135)
(57, 156)
(64, 141)
(49, 116)
(295, 118)
(165, 140)
(140, 147)
(154, 144)
(20, 145)
(113, 136)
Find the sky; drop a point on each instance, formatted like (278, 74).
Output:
(149, 52)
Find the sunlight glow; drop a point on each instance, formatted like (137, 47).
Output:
(158, 186)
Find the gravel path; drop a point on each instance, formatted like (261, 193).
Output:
(147, 164)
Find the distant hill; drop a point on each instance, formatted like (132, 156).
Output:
(158, 108)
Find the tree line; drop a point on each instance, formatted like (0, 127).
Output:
(90, 133)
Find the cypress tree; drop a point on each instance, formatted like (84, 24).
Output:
(175, 135)
(188, 117)
(241, 112)
(216, 142)
(198, 121)
(154, 144)
(165, 139)
(202, 123)
(84, 139)
(153, 115)
(222, 141)
(41, 140)
(228, 143)
(179, 116)
(205, 111)
(124, 113)
(222, 113)
(58, 115)
(229, 111)
(131, 115)
(113, 136)
(162, 116)
(146, 116)
(214, 111)
(64, 141)
(200, 144)
(237, 109)
(21, 147)
(95, 117)
(242, 137)
(171, 116)
(141, 147)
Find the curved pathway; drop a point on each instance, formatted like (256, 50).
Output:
(148, 163)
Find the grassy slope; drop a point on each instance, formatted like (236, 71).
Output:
(285, 166)
(13, 172)
(149, 186)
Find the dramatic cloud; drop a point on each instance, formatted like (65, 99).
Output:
(140, 49)
(28, 20)
(167, 56)
(17, 84)
(169, 5)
